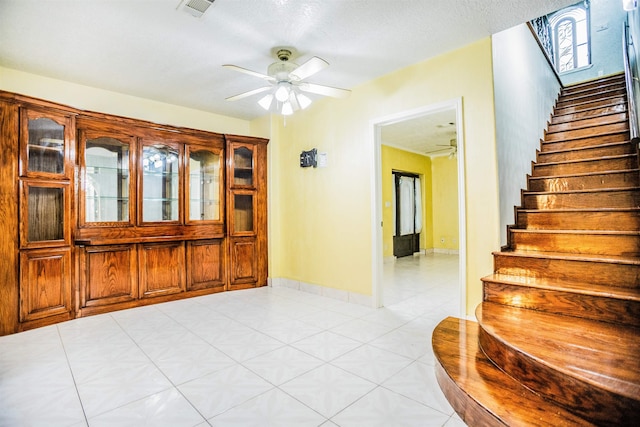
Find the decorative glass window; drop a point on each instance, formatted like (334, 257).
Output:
(570, 28)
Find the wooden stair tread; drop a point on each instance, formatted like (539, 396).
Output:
(578, 232)
(595, 135)
(583, 174)
(591, 159)
(586, 190)
(588, 147)
(480, 392)
(576, 347)
(613, 259)
(626, 294)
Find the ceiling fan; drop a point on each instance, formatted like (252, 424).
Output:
(452, 147)
(286, 83)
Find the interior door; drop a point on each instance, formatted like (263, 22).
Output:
(408, 218)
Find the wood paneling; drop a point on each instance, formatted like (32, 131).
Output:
(45, 283)
(8, 218)
(161, 268)
(206, 264)
(108, 275)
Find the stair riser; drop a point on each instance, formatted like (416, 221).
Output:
(590, 105)
(595, 404)
(596, 165)
(595, 112)
(604, 309)
(589, 122)
(570, 270)
(595, 84)
(586, 95)
(607, 199)
(585, 142)
(587, 153)
(587, 132)
(597, 244)
(586, 182)
(568, 100)
(541, 220)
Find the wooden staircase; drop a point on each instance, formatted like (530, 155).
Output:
(557, 342)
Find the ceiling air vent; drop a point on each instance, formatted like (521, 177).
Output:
(195, 8)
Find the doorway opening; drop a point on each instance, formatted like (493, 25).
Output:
(407, 209)
(414, 131)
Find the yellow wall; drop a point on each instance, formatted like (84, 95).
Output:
(445, 203)
(104, 101)
(400, 160)
(321, 219)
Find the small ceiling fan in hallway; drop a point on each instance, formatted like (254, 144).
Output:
(286, 83)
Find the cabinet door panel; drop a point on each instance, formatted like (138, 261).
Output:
(109, 275)
(162, 268)
(45, 283)
(205, 262)
(45, 140)
(244, 261)
(45, 213)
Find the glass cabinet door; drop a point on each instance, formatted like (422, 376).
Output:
(43, 144)
(243, 213)
(45, 214)
(243, 163)
(205, 189)
(160, 183)
(107, 181)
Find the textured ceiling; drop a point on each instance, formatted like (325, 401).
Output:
(155, 50)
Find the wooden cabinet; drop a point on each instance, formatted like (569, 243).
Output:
(45, 215)
(247, 209)
(102, 213)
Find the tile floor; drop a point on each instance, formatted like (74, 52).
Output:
(260, 357)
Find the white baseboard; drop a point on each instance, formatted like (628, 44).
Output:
(338, 294)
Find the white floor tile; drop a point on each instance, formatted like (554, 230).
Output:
(118, 388)
(371, 363)
(165, 409)
(383, 408)
(326, 345)
(418, 382)
(220, 391)
(274, 408)
(282, 365)
(328, 389)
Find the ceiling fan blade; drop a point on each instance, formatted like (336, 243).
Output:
(249, 93)
(324, 90)
(250, 72)
(309, 68)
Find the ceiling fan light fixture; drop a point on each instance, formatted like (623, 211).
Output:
(265, 101)
(283, 91)
(303, 100)
(287, 109)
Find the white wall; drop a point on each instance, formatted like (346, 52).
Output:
(525, 91)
